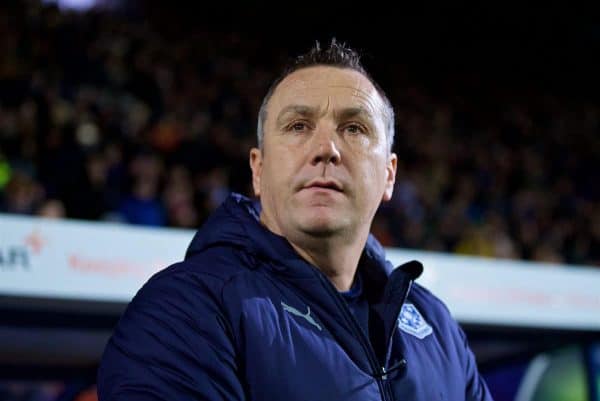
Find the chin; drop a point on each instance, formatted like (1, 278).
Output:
(321, 226)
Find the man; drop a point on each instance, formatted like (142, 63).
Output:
(292, 299)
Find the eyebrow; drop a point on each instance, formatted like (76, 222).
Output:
(308, 111)
(305, 111)
(352, 112)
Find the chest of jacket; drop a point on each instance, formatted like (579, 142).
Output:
(295, 349)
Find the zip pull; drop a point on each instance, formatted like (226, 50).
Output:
(399, 364)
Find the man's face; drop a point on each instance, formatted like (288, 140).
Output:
(324, 167)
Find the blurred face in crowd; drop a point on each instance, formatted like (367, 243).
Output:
(324, 166)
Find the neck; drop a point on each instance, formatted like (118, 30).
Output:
(336, 255)
(337, 258)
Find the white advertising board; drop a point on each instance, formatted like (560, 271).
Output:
(65, 259)
(81, 260)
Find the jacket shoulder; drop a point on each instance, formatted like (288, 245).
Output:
(436, 312)
(425, 298)
(219, 264)
(168, 334)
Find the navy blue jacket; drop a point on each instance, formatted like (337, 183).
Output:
(244, 317)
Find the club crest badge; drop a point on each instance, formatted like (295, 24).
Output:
(411, 322)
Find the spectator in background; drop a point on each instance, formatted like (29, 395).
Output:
(52, 208)
(23, 194)
(142, 205)
(179, 199)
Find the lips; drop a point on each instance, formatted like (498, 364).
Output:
(325, 184)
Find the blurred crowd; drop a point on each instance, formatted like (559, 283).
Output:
(102, 118)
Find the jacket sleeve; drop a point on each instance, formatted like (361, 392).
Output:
(476, 389)
(172, 343)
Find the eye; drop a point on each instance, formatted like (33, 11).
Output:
(355, 129)
(298, 126)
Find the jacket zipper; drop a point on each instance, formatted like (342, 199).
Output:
(380, 372)
(402, 362)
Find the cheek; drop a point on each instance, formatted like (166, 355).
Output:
(372, 174)
(277, 173)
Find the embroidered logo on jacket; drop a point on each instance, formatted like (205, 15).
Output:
(307, 316)
(411, 322)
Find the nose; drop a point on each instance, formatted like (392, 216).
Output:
(325, 149)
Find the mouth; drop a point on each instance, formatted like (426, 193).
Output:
(321, 184)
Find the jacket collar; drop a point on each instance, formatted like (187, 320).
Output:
(236, 223)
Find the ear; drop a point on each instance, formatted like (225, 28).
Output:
(390, 178)
(256, 167)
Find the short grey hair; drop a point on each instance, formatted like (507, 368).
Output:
(336, 55)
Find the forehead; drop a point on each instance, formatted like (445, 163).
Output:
(324, 86)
